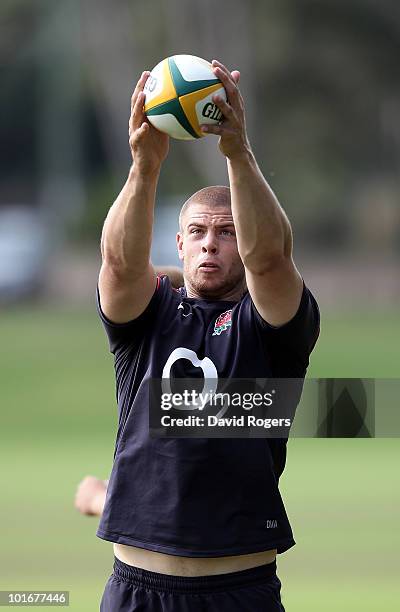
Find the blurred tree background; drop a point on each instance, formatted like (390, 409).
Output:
(320, 82)
(322, 92)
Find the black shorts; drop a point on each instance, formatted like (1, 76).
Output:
(131, 589)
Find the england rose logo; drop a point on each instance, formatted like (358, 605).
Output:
(223, 322)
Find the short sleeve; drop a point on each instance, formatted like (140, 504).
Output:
(294, 341)
(132, 332)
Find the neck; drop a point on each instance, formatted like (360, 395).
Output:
(231, 295)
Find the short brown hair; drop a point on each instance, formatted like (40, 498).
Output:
(219, 195)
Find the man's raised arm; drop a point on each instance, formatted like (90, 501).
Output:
(127, 279)
(263, 230)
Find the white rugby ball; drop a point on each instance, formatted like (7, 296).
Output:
(179, 94)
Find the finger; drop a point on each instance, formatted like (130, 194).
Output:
(138, 90)
(141, 82)
(136, 137)
(219, 130)
(142, 130)
(235, 76)
(224, 107)
(229, 84)
(232, 90)
(137, 115)
(224, 76)
(217, 64)
(139, 87)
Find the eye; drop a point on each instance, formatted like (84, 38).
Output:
(227, 232)
(195, 230)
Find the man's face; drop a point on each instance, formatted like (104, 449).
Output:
(207, 246)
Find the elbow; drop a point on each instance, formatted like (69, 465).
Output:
(272, 255)
(269, 253)
(118, 269)
(114, 260)
(265, 257)
(264, 264)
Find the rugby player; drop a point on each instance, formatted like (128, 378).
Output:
(197, 523)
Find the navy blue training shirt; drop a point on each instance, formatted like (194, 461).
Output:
(199, 497)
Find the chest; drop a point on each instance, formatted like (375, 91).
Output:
(191, 341)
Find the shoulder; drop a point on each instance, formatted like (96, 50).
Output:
(302, 329)
(133, 331)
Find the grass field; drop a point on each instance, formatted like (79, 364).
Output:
(58, 423)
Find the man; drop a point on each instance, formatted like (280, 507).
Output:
(197, 523)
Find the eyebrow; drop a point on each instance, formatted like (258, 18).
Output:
(220, 225)
(196, 224)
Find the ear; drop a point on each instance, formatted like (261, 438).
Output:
(179, 244)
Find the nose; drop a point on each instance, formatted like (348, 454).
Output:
(210, 244)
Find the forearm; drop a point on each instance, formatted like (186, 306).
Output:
(262, 227)
(127, 231)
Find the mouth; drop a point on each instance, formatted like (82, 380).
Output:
(208, 266)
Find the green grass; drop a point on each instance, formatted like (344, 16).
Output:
(358, 344)
(58, 421)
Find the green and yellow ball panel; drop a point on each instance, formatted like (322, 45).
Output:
(179, 94)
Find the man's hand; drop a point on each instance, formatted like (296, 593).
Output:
(233, 141)
(149, 147)
(264, 235)
(91, 495)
